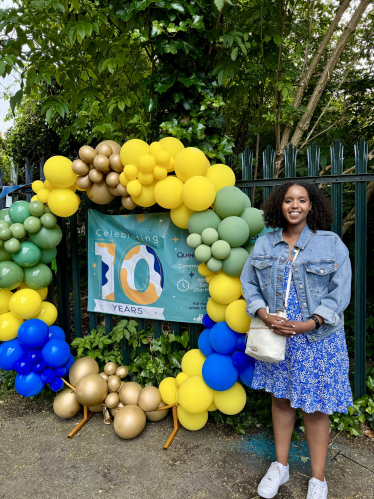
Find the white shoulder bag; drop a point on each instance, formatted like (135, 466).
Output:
(262, 343)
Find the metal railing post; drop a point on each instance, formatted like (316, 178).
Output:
(268, 158)
(337, 150)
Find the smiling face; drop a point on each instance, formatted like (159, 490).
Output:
(296, 205)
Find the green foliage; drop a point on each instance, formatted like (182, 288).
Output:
(7, 379)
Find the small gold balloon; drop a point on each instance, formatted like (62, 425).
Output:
(114, 383)
(112, 400)
(91, 165)
(114, 412)
(66, 404)
(95, 176)
(122, 383)
(115, 163)
(80, 368)
(91, 389)
(96, 408)
(105, 376)
(128, 203)
(87, 153)
(114, 145)
(114, 191)
(99, 193)
(83, 182)
(80, 167)
(110, 368)
(129, 393)
(112, 179)
(129, 422)
(122, 191)
(122, 372)
(149, 398)
(157, 415)
(104, 149)
(101, 162)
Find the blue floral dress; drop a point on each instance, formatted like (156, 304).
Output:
(313, 376)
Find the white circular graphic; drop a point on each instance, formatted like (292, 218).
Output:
(183, 285)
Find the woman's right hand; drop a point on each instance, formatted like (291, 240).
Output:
(280, 325)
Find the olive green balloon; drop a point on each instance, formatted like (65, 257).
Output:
(1, 244)
(4, 215)
(229, 202)
(12, 245)
(254, 219)
(234, 263)
(47, 210)
(201, 220)
(36, 208)
(32, 224)
(5, 234)
(28, 255)
(11, 275)
(249, 247)
(47, 238)
(38, 277)
(48, 220)
(48, 255)
(4, 224)
(19, 211)
(18, 231)
(194, 240)
(233, 230)
(221, 250)
(209, 236)
(214, 265)
(203, 253)
(5, 256)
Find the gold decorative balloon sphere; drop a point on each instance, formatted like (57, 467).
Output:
(114, 383)
(116, 148)
(122, 191)
(128, 203)
(157, 415)
(84, 182)
(129, 422)
(99, 193)
(112, 179)
(112, 400)
(105, 376)
(95, 176)
(91, 389)
(115, 163)
(80, 167)
(104, 149)
(96, 408)
(110, 368)
(101, 162)
(122, 372)
(114, 191)
(129, 393)
(149, 398)
(81, 367)
(66, 404)
(114, 412)
(87, 153)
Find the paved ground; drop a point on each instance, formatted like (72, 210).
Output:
(37, 461)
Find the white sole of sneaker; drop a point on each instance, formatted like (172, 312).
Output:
(267, 496)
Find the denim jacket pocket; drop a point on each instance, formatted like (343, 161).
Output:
(263, 266)
(319, 274)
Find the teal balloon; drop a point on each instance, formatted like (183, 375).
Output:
(214, 265)
(32, 224)
(4, 225)
(19, 211)
(234, 263)
(229, 202)
(48, 255)
(5, 234)
(36, 208)
(12, 245)
(4, 215)
(38, 277)
(209, 236)
(249, 247)
(233, 230)
(47, 238)
(201, 220)
(5, 256)
(194, 240)
(11, 275)
(221, 250)
(28, 255)
(254, 219)
(18, 231)
(48, 220)
(203, 253)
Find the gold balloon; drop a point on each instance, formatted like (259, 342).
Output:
(104, 149)
(157, 415)
(149, 398)
(91, 389)
(122, 372)
(66, 404)
(95, 176)
(91, 165)
(105, 376)
(114, 191)
(112, 400)
(110, 368)
(114, 383)
(99, 193)
(83, 182)
(81, 367)
(112, 179)
(129, 422)
(101, 162)
(129, 393)
(80, 167)
(114, 145)
(114, 412)
(128, 203)
(122, 383)
(87, 153)
(122, 191)
(96, 408)
(116, 163)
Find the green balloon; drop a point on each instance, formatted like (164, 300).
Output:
(32, 224)
(209, 236)
(48, 255)
(229, 202)
(48, 220)
(234, 263)
(234, 230)
(247, 201)
(36, 208)
(254, 220)
(1, 244)
(28, 255)
(47, 238)
(5, 256)
(11, 275)
(194, 240)
(249, 247)
(47, 210)
(18, 231)
(4, 224)
(214, 265)
(221, 250)
(38, 277)
(4, 215)
(12, 245)
(203, 253)
(19, 211)
(201, 220)
(5, 234)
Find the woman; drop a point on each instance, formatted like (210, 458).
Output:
(314, 374)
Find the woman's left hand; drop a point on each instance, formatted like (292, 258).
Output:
(291, 328)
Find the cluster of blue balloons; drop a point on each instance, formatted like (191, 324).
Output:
(39, 354)
(226, 362)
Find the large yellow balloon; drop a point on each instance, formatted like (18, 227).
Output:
(192, 422)
(181, 377)
(194, 395)
(37, 185)
(25, 303)
(9, 325)
(168, 192)
(212, 407)
(172, 145)
(215, 310)
(221, 176)
(236, 316)
(132, 150)
(198, 193)
(168, 390)
(63, 202)
(225, 289)
(58, 172)
(147, 196)
(190, 162)
(192, 362)
(47, 313)
(42, 292)
(5, 296)
(231, 401)
(180, 216)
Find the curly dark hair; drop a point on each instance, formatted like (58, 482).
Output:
(322, 211)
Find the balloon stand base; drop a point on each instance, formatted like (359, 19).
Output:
(173, 434)
(87, 415)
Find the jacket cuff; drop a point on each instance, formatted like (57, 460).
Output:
(254, 306)
(328, 315)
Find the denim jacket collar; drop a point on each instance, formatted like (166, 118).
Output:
(301, 242)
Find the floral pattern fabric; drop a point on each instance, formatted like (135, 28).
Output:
(313, 376)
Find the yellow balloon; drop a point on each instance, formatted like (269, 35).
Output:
(5, 296)
(180, 378)
(43, 195)
(231, 401)
(9, 325)
(72, 187)
(146, 178)
(147, 163)
(25, 303)
(42, 292)
(147, 197)
(215, 310)
(192, 422)
(58, 172)
(37, 185)
(154, 148)
(225, 289)
(34, 198)
(63, 202)
(221, 176)
(132, 150)
(168, 390)
(130, 171)
(49, 186)
(190, 162)
(192, 362)
(194, 395)
(212, 407)
(47, 314)
(162, 158)
(198, 193)
(208, 278)
(160, 172)
(123, 179)
(236, 316)
(172, 145)
(203, 270)
(168, 192)
(170, 165)
(180, 216)
(79, 188)
(134, 187)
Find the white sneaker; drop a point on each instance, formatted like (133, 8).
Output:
(317, 489)
(275, 476)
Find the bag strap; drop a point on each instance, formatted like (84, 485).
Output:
(289, 279)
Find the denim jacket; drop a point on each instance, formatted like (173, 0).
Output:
(322, 275)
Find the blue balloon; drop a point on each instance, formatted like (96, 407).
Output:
(204, 343)
(56, 333)
(69, 363)
(10, 353)
(246, 376)
(34, 356)
(57, 384)
(240, 360)
(60, 371)
(33, 333)
(48, 376)
(241, 343)
(207, 322)
(29, 385)
(55, 353)
(219, 373)
(223, 339)
(39, 367)
(23, 366)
